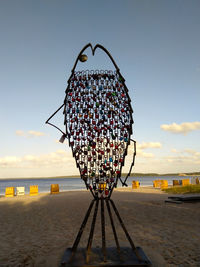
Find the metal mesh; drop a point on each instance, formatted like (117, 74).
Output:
(98, 119)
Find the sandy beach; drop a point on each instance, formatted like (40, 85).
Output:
(35, 231)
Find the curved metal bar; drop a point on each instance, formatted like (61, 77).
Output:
(93, 52)
(132, 164)
(106, 51)
(84, 48)
(53, 124)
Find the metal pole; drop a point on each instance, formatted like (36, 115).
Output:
(92, 231)
(113, 226)
(103, 230)
(125, 231)
(77, 240)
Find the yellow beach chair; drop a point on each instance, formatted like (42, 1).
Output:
(135, 184)
(164, 184)
(10, 192)
(185, 182)
(33, 190)
(157, 183)
(54, 188)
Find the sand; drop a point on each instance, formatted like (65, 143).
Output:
(35, 231)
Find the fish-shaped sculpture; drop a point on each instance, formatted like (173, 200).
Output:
(98, 125)
(98, 119)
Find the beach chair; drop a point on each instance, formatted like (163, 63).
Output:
(157, 183)
(135, 184)
(176, 182)
(164, 184)
(193, 180)
(10, 192)
(185, 182)
(54, 188)
(33, 190)
(20, 191)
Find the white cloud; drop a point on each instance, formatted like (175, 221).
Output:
(185, 156)
(174, 150)
(140, 153)
(58, 142)
(182, 128)
(9, 160)
(29, 133)
(145, 145)
(59, 158)
(59, 152)
(35, 133)
(179, 159)
(192, 152)
(30, 158)
(20, 133)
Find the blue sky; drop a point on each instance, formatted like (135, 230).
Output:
(156, 45)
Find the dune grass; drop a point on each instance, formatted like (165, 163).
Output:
(183, 189)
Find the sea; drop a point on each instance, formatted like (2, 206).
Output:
(73, 184)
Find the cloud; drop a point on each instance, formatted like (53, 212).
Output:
(29, 133)
(192, 152)
(61, 162)
(174, 150)
(65, 142)
(58, 158)
(145, 145)
(178, 159)
(184, 156)
(140, 153)
(9, 160)
(182, 128)
(35, 133)
(20, 133)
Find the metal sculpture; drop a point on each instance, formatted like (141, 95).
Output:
(98, 119)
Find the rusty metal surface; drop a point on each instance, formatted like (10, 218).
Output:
(128, 258)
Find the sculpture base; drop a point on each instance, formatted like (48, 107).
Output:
(127, 257)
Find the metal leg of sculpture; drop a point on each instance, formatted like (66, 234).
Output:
(77, 240)
(92, 231)
(103, 229)
(125, 230)
(113, 227)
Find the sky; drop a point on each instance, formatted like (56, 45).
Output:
(156, 45)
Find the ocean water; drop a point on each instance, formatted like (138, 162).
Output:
(71, 184)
